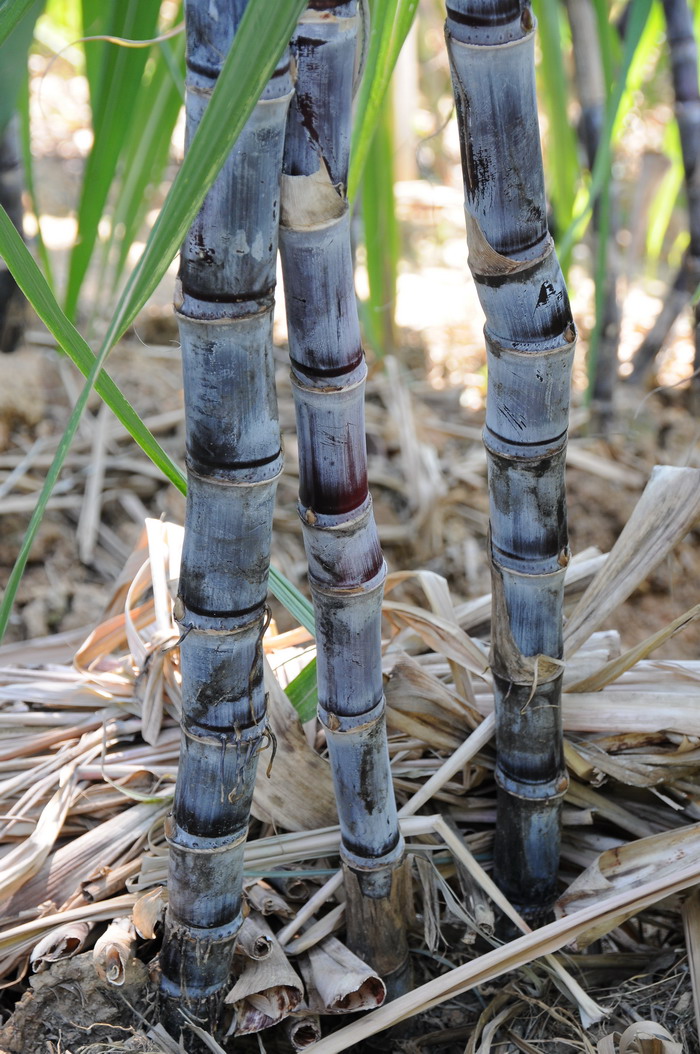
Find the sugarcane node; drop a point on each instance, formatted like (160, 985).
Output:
(178, 609)
(310, 517)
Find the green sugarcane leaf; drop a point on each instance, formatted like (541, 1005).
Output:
(29, 183)
(146, 154)
(381, 235)
(302, 692)
(601, 167)
(562, 152)
(115, 78)
(36, 289)
(12, 12)
(390, 23)
(260, 41)
(14, 48)
(294, 601)
(263, 34)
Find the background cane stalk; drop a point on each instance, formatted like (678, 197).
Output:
(346, 567)
(530, 344)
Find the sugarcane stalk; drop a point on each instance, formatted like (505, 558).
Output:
(684, 67)
(224, 304)
(346, 566)
(590, 88)
(530, 341)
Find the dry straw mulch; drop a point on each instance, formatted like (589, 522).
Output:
(89, 759)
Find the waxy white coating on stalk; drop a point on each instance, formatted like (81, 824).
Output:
(530, 345)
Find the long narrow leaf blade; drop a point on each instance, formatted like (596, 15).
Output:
(36, 289)
(261, 38)
(259, 43)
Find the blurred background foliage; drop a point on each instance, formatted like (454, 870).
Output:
(125, 129)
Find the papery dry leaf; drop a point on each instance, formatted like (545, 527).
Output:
(619, 665)
(114, 950)
(345, 984)
(148, 911)
(254, 937)
(283, 798)
(667, 509)
(444, 637)
(26, 859)
(626, 868)
(266, 991)
(642, 1037)
(60, 943)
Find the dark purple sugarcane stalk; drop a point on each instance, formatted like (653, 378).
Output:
(346, 566)
(224, 302)
(530, 341)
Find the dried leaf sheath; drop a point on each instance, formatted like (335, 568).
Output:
(225, 305)
(530, 346)
(346, 567)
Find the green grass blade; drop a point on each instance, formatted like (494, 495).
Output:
(295, 603)
(11, 14)
(601, 168)
(562, 148)
(36, 289)
(261, 38)
(146, 153)
(29, 184)
(381, 235)
(114, 102)
(260, 41)
(302, 692)
(391, 21)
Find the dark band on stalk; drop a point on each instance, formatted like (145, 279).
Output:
(530, 343)
(224, 302)
(346, 567)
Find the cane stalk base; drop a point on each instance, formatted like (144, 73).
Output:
(376, 908)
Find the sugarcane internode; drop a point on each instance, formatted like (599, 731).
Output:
(224, 303)
(530, 345)
(346, 567)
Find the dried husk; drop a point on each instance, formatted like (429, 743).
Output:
(282, 784)
(626, 868)
(148, 912)
(114, 950)
(641, 1037)
(267, 990)
(302, 1028)
(343, 982)
(666, 511)
(254, 938)
(61, 943)
(267, 901)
